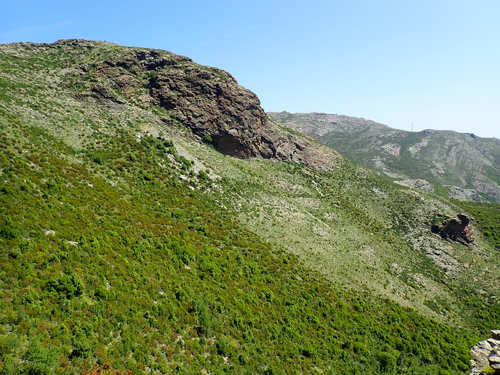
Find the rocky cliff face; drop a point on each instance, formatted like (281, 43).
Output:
(210, 102)
(207, 100)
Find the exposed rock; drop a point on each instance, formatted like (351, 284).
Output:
(207, 100)
(457, 229)
(391, 148)
(462, 194)
(494, 359)
(486, 355)
(480, 352)
(102, 93)
(417, 183)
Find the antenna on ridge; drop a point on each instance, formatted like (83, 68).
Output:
(412, 127)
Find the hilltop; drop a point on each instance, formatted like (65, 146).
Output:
(153, 219)
(458, 165)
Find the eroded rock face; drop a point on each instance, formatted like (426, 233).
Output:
(230, 114)
(207, 100)
(456, 229)
(211, 102)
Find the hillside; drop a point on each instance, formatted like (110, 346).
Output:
(461, 166)
(153, 220)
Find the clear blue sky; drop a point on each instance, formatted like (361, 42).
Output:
(433, 63)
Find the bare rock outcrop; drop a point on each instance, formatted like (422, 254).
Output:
(456, 229)
(207, 100)
(417, 183)
(486, 355)
(230, 114)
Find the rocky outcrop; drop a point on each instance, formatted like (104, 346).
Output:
(461, 194)
(207, 100)
(456, 229)
(211, 102)
(486, 355)
(417, 183)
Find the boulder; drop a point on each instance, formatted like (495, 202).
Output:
(456, 229)
(486, 354)
(494, 343)
(494, 359)
(480, 352)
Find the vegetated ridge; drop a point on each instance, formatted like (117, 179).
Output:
(149, 225)
(459, 165)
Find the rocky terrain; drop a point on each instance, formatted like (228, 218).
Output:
(153, 220)
(461, 166)
(207, 100)
(456, 229)
(486, 355)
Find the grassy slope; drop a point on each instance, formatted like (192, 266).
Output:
(487, 217)
(361, 231)
(150, 274)
(158, 257)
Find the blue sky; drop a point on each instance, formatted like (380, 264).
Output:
(434, 64)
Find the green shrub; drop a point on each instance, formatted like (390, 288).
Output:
(151, 76)
(223, 346)
(39, 359)
(207, 138)
(203, 175)
(98, 157)
(387, 362)
(68, 285)
(101, 293)
(6, 190)
(9, 230)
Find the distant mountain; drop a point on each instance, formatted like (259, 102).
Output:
(462, 166)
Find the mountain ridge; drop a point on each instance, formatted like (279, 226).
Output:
(460, 165)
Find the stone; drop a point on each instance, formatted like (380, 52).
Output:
(495, 333)
(457, 229)
(494, 343)
(495, 366)
(495, 358)
(210, 102)
(483, 345)
(485, 353)
(480, 352)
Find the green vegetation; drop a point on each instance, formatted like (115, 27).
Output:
(487, 218)
(128, 247)
(150, 274)
(443, 158)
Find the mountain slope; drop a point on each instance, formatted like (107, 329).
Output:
(128, 237)
(461, 165)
